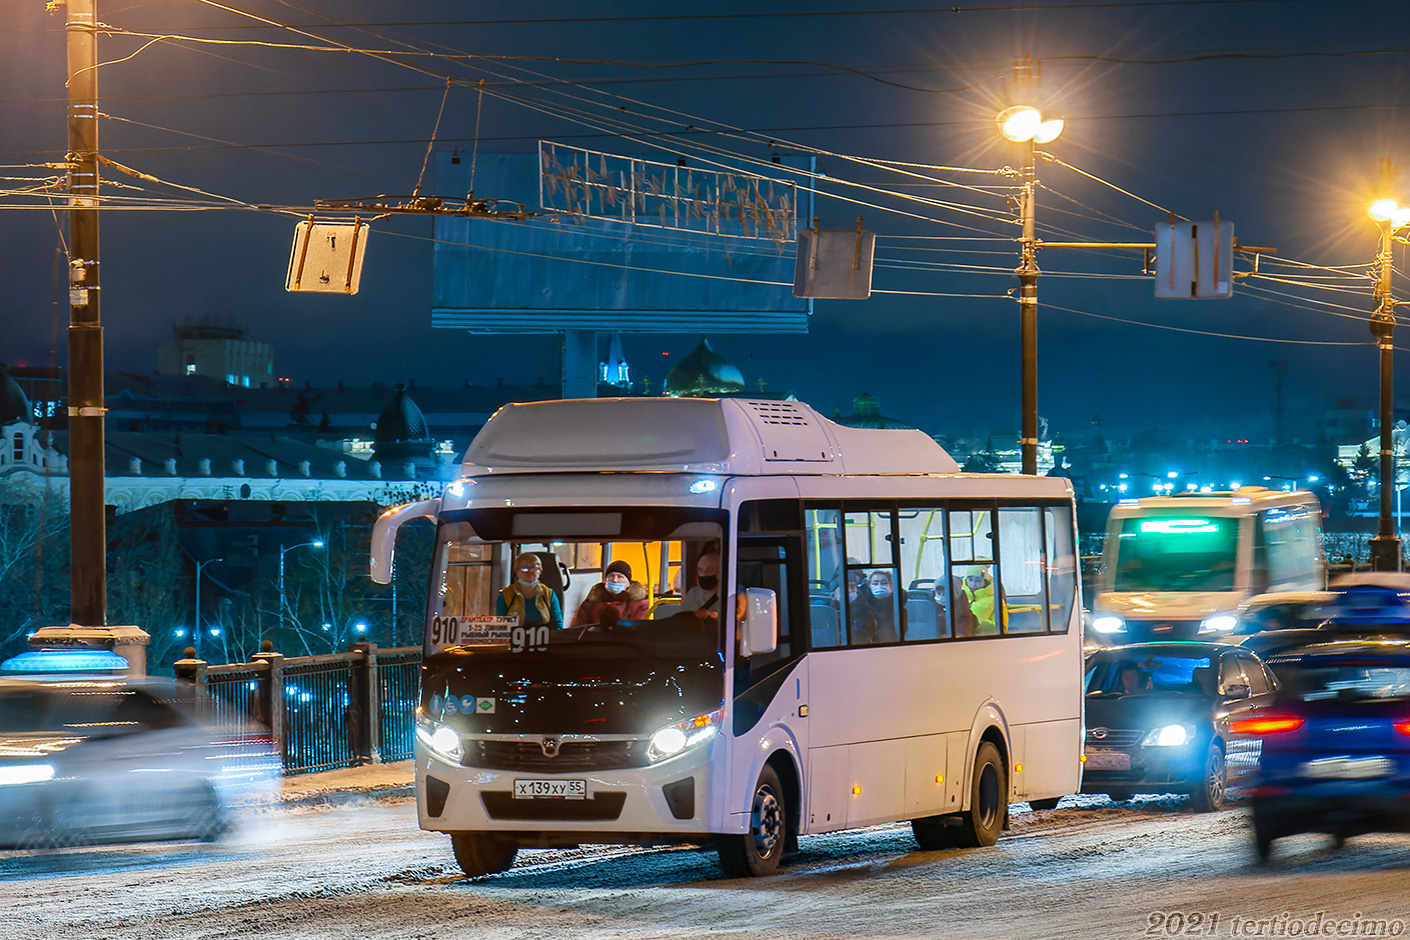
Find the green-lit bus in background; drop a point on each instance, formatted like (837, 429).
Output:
(1176, 567)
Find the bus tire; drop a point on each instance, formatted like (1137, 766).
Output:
(757, 852)
(981, 824)
(482, 853)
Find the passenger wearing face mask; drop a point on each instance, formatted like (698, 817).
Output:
(616, 597)
(874, 611)
(704, 596)
(528, 598)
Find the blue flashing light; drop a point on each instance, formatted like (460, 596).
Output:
(49, 662)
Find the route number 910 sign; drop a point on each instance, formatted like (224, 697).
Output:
(444, 633)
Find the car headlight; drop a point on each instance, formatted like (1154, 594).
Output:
(440, 738)
(673, 739)
(1169, 736)
(1221, 623)
(26, 773)
(1108, 624)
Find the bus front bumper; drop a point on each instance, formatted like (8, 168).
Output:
(662, 803)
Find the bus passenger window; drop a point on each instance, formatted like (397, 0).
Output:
(1062, 569)
(1023, 590)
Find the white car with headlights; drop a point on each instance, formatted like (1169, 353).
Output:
(101, 760)
(1158, 718)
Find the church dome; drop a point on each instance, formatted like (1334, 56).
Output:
(401, 420)
(702, 373)
(866, 413)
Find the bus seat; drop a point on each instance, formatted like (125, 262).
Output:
(920, 618)
(663, 611)
(826, 625)
(555, 575)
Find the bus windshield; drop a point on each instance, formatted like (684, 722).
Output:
(617, 631)
(1176, 553)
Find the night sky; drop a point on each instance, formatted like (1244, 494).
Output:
(1273, 112)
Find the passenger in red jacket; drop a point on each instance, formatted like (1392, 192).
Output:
(616, 597)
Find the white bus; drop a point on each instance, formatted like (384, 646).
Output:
(798, 708)
(1177, 567)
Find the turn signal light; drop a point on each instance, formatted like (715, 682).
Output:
(1265, 725)
(1403, 727)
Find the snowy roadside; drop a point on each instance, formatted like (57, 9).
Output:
(345, 785)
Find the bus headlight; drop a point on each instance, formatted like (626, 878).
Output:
(673, 739)
(1108, 624)
(1220, 623)
(440, 738)
(1169, 736)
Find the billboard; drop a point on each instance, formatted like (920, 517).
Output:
(624, 244)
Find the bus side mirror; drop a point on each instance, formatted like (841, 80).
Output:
(760, 633)
(384, 535)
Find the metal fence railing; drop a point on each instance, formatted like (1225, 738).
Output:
(322, 712)
(399, 691)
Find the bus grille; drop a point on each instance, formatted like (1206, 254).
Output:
(573, 756)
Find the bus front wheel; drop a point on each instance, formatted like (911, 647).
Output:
(482, 853)
(988, 799)
(757, 852)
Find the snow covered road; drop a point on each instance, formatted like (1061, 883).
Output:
(1130, 870)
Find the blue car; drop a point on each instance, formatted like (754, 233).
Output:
(1336, 743)
(1158, 719)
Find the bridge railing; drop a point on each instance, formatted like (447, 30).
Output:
(322, 712)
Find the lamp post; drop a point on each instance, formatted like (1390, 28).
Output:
(283, 601)
(196, 640)
(1385, 547)
(1023, 124)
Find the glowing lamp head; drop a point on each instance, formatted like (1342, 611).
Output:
(1048, 131)
(1382, 209)
(1022, 123)
(1019, 123)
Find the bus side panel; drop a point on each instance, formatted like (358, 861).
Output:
(1050, 768)
(929, 689)
(829, 788)
(878, 786)
(927, 776)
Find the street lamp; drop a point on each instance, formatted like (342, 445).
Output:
(1385, 547)
(1024, 124)
(196, 639)
(283, 602)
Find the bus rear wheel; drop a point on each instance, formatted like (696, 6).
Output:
(988, 799)
(482, 853)
(757, 852)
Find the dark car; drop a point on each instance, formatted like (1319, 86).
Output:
(1354, 611)
(1158, 719)
(96, 760)
(1336, 743)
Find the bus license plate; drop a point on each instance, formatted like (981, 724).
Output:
(1108, 760)
(550, 789)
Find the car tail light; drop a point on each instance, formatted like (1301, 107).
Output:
(1403, 727)
(1267, 725)
(1270, 791)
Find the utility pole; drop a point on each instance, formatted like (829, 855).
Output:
(89, 543)
(1385, 547)
(88, 546)
(1028, 314)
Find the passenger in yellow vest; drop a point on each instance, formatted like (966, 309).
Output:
(527, 598)
(979, 589)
